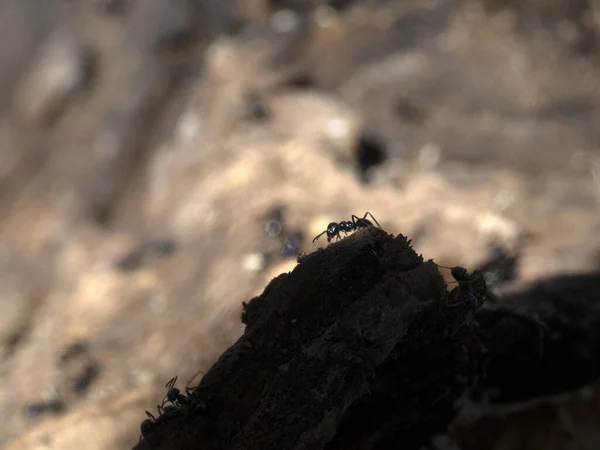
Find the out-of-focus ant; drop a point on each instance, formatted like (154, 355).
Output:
(334, 228)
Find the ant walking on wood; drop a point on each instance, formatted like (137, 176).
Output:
(345, 226)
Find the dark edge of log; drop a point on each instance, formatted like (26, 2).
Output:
(359, 347)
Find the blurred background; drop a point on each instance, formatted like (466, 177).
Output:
(162, 160)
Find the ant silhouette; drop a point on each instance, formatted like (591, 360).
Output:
(472, 285)
(180, 403)
(472, 290)
(334, 228)
(173, 393)
(176, 398)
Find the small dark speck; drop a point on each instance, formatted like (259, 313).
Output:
(161, 246)
(114, 7)
(257, 108)
(178, 27)
(300, 81)
(44, 407)
(369, 337)
(86, 377)
(72, 351)
(408, 111)
(340, 5)
(131, 261)
(370, 152)
(355, 360)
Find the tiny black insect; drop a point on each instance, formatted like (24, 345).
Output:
(177, 399)
(471, 286)
(334, 228)
(173, 394)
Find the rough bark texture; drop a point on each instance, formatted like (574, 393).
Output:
(355, 348)
(362, 347)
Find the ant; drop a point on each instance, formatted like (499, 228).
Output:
(176, 398)
(473, 288)
(334, 228)
(472, 285)
(179, 403)
(173, 393)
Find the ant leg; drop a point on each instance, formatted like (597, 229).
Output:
(374, 219)
(165, 400)
(151, 416)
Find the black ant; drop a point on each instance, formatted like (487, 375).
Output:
(173, 393)
(472, 285)
(180, 404)
(334, 228)
(176, 398)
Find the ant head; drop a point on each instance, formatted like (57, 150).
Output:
(172, 394)
(333, 230)
(460, 273)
